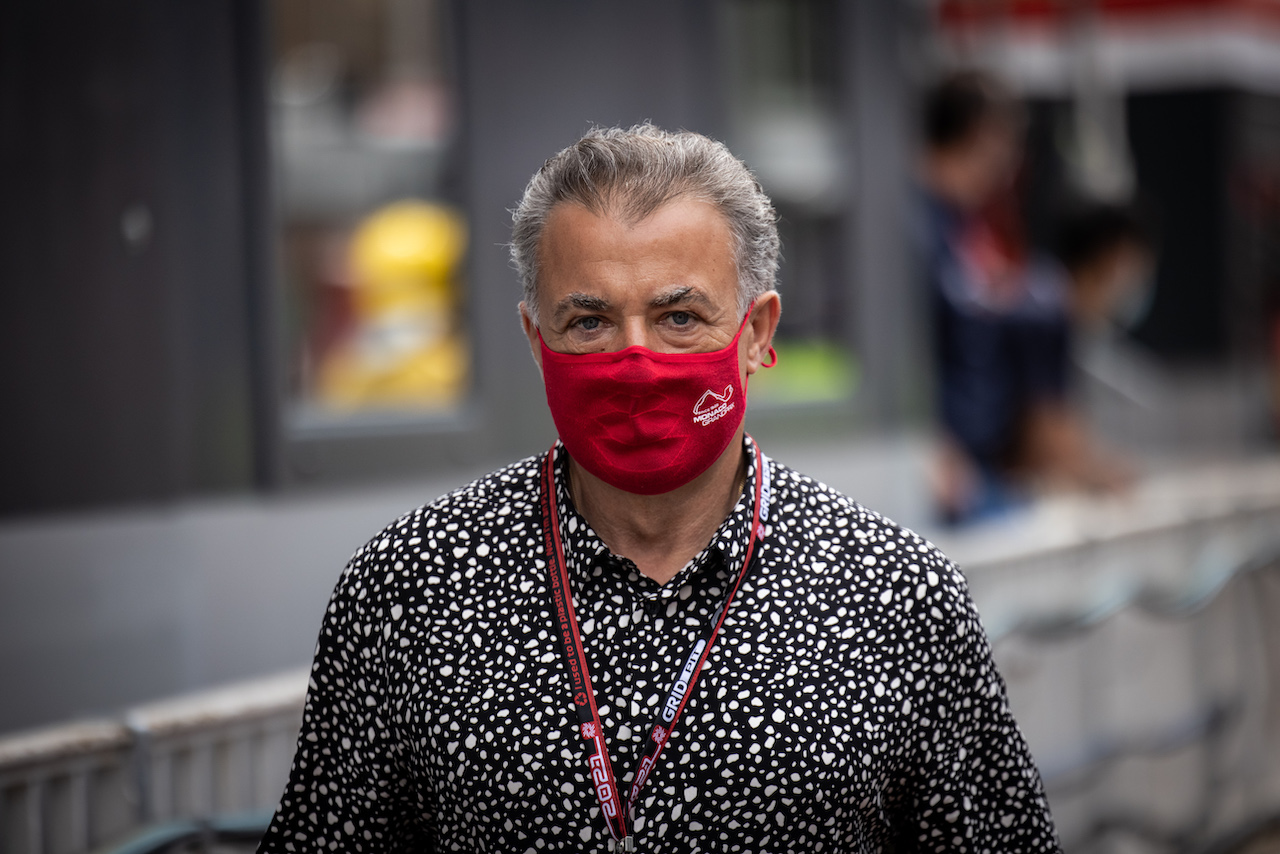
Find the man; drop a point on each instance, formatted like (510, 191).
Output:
(1002, 317)
(1108, 252)
(994, 357)
(1107, 255)
(653, 637)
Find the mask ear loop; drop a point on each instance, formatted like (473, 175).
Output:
(773, 355)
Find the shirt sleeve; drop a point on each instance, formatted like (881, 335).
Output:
(975, 787)
(348, 789)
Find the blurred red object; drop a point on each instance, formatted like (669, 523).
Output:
(966, 13)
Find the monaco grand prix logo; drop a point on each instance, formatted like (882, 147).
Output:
(711, 407)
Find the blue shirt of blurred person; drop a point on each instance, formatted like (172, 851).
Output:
(999, 347)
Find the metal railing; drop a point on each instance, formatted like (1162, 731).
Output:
(74, 788)
(1137, 645)
(1163, 720)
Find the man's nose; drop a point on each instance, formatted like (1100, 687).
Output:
(635, 332)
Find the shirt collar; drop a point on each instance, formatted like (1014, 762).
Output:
(723, 554)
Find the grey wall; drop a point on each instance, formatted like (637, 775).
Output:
(888, 316)
(127, 359)
(100, 611)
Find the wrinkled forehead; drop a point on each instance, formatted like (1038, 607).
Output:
(629, 217)
(632, 205)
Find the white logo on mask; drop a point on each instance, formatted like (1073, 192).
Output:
(711, 407)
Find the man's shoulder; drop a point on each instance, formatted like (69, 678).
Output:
(824, 509)
(839, 532)
(483, 511)
(510, 489)
(879, 569)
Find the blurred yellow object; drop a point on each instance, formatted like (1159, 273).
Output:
(405, 351)
(404, 250)
(428, 377)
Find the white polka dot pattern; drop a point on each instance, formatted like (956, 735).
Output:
(850, 703)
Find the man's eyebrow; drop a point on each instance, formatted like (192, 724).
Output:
(580, 300)
(678, 295)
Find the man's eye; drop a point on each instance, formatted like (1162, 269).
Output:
(589, 323)
(680, 318)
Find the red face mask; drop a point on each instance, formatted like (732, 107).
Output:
(642, 421)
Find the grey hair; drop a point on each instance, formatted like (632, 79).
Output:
(631, 173)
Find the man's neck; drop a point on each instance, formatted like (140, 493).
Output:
(660, 534)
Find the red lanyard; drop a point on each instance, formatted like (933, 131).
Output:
(584, 698)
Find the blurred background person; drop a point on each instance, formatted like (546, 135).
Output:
(1107, 254)
(1003, 313)
(972, 135)
(1107, 251)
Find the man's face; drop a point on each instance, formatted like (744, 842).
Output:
(994, 153)
(668, 283)
(1111, 283)
(971, 171)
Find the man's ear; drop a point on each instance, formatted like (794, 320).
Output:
(760, 328)
(531, 332)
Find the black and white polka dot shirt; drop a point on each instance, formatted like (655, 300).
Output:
(849, 705)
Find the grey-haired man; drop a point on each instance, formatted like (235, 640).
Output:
(653, 637)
